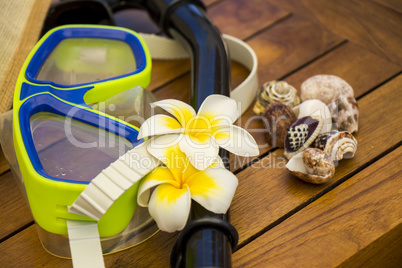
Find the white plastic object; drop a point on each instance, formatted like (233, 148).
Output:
(85, 246)
(162, 48)
(113, 181)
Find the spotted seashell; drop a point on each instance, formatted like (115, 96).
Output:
(297, 136)
(275, 91)
(312, 165)
(345, 113)
(337, 144)
(301, 134)
(324, 88)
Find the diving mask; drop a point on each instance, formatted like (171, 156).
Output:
(69, 69)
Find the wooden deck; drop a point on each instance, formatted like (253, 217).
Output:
(355, 219)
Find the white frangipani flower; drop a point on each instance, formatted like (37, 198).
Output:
(199, 135)
(179, 182)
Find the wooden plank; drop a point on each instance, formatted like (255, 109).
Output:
(395, 5)
(25, 250)
(209, 2)
(384, 252)
(3, 162)
(338, 225)
(242, 19)
(164, 72)
(267, 181)
(362, 69)
(14, 210)
(279, 192)
(368, 23)
(289, 45)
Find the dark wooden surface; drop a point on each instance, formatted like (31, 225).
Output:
(353, 220)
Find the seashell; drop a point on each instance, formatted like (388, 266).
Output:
(275, 91)
(337, 144)
(279, 117)
(345, 113)
(325, 88)
(315, 108)
(312, 165)
(302, 134)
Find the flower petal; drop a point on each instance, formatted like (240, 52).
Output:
(181, 110)
(167, 150)
(236, 140)
(170, 207)
(159, 124)
(219, 109)
(158, 176)
(201, 149)
(213, 188)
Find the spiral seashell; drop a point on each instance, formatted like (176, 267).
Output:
(324, 88)
(345, 113)
(337, 144)
(275, 91)
(312, 165)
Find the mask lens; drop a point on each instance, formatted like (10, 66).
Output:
(71, 150)
(83, 60)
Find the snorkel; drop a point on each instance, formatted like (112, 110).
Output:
(208, 238)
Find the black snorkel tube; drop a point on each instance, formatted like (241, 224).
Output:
(208, 239)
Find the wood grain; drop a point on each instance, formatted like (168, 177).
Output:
(362, 69)
(267, 181)
(164, 72)
(384, 252)
(14, 210)
(243, 18)
(279, 192)
(336, 226)
(209, 2)
(3, 162)
(392, 4)
(285, 47)
(25, 250)
(368, 23)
